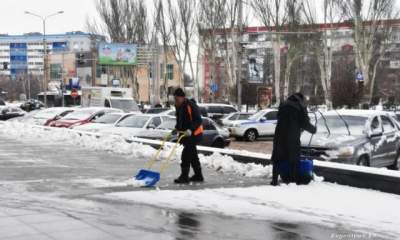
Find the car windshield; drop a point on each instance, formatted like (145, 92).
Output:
(156, 110)
(133, 122)
(49, 113)
(233, 116)
(80, 114)
(170, 124)
(124, 104)
(337, 126)
(108, 119)
(244, 116)
(257, 115)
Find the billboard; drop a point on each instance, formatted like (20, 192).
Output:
(119, 54)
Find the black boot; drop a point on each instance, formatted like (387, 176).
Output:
(181, 180)
(198, 175)
(184, 177)
(197, 178)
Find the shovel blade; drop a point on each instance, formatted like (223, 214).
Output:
(149, 178)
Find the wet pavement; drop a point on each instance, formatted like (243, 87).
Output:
(53, 190)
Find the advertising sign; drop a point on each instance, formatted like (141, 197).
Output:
(119, 54)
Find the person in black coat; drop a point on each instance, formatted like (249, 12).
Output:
(292, 120)
(188, 122)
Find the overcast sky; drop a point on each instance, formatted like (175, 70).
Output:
(14, 21)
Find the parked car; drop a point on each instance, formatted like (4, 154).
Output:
(9, 112)
(47, 116)
(106, 121)
(213, 135)
(31, 104)
(82, 116)
(156, 110)
(362, 137)
(233, 118)
(260, 124)
(135, 125)
(216, 111)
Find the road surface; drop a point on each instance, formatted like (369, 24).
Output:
(52, 190)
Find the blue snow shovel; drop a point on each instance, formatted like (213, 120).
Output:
(149, 177)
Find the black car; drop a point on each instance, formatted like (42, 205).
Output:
(8, 112)
(32, 104)
(213, 135)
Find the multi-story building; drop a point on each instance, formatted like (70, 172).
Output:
(23, 54)
(74, 55)
(257, 64)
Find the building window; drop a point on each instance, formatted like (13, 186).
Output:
(55, 71)
(170, 71)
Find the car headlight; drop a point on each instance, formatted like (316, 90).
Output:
(345, 151)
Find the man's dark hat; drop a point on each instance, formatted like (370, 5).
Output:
(179, 92)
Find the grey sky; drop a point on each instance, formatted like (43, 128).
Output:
(14, 21)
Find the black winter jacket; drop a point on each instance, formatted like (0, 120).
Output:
(183, 119)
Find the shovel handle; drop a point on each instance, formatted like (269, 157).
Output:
(165, 164)
(150, 164)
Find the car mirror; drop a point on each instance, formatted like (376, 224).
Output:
(263, 119)
(375, 133)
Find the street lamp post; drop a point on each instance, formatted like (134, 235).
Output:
(44, 18)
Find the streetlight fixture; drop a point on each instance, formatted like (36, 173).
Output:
(44, 18)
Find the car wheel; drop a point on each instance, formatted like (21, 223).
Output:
(251, 135)
(396, 163)
(218, 143)
(363, 161)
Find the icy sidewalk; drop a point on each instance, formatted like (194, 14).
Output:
(319, 203)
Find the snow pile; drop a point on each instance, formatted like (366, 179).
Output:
(110, 143)
(105, 183)
(117, 144)
(226, 164)
(318, 203)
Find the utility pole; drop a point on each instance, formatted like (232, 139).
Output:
(239, 55)
(45, 76)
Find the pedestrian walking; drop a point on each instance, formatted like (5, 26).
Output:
(292, 120)
(188, 122)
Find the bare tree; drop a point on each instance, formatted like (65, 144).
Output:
(211, 20)
(274, 17)
(163, 30)
(371, 25)
(322, 46)
(121, 20)
(182, 19)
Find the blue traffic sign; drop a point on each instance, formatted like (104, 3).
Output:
(214, 87)
(359, 76)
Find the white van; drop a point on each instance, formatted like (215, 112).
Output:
(120, 98)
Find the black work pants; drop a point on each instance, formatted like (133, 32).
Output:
(190, 156)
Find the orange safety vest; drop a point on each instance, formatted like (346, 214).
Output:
(198, 130)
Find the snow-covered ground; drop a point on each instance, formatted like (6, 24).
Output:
(319, 203)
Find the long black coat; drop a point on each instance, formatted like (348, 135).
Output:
(292, 120)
